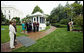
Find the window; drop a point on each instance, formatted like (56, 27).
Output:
(42, 20)
(9, 16)
(9, 11)
(5, 11)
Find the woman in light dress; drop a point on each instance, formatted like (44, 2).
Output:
(11, 34)
(70, 25)
(23, 26)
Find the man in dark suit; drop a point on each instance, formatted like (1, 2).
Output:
(34, 26)
(26, 26)
(37, 25)
(15, 30)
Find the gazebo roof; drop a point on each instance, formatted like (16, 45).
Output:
(37, 14)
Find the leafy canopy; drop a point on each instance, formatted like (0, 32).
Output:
(37, 9)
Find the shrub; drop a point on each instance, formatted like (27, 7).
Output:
(64, 21)
(55, 24)
(79, 21)
(47, 24)
(6, 21)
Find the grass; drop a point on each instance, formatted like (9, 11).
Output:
(60, 40)
(5, 33)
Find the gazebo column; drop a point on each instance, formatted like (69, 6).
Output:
(38, 19)
(45, 20)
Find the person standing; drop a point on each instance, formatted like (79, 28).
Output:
(26, 26)
(11, 34)
(30, 26)
(15, 31)
(68, 28)
(23, 26)
(37, 25)
(34, 26)
(70, 25)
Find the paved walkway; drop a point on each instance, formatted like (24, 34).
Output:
(33, 35)
(38, 35)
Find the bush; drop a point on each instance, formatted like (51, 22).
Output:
(79, 21)
(55, 24)
(64, 21)
(6, 21)
(47, 24)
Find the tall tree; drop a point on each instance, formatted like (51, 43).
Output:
(57, 13)
(78, 2)
(68, 11)
(2, 17)
(77, 8)
(37, 9)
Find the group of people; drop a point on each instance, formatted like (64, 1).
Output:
(70, 26)
(35, 26)
(12, 33)
(25, 26)
(28, 26)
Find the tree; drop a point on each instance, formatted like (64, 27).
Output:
(79, 21)
(78, 2)
(17, 19)
(57, 14)
(37, 9)
(64, 21)
(68, 11)
(2, 17)
(26, 19)
(77, 8)
(47, 17)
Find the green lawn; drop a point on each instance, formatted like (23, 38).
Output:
(60, 40)
(5, 33)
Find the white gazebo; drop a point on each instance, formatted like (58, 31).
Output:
(40, 17)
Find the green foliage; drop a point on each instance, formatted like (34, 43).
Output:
(6, 21)
(64, 21)
(3, 19)
(17, 19)
(56, 24)
(57, 13)
(47, 24)
(37, 9)
(26, 19)
(77, 8)
(79, 21)
(65, 12)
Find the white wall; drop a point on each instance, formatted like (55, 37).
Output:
(13, 12)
